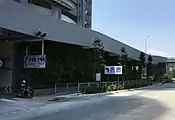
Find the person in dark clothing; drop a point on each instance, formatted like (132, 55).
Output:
(23, 83)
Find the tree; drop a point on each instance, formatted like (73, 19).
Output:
(149, 66)
(124, 62)
(99, 53)
(142, 63)
(123, 56)
(142, 59)
(150, 59)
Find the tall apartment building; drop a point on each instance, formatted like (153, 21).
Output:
(73, 11)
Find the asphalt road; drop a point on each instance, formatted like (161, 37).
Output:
(156, 103)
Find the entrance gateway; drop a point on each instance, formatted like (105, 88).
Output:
(6, 57)
(11, 59)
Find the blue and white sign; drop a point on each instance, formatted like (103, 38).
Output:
(113, 70)
(35, 61)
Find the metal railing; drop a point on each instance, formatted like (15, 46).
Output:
(68, 88)
(138, 83)
(65, 88)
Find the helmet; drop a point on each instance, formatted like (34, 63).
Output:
(23, 81)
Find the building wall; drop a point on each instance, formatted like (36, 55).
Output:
(84, 11)
(170, 66)
(80, 12)
(50, 13)
(57, 30)
(6, 53)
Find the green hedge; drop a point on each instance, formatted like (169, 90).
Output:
(166, 78)
(113, 87)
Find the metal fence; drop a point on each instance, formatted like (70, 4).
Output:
(82, 86)
(68, 88)
(58, 89)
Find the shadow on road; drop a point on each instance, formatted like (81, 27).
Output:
(162, 87)
(110, 108)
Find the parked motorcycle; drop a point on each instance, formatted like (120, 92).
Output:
(25, 92)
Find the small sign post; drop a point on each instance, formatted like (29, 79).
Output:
(114, 70)
(98, 77)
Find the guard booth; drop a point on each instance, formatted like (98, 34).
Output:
(5, 66)
(12, 57)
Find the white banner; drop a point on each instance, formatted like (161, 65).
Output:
(35, 61)
(113, 70)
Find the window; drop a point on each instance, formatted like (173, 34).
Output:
(41, 3)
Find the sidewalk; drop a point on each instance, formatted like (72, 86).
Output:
(80, 95)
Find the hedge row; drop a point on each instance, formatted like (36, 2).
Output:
(113, 87)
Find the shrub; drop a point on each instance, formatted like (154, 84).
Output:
(94, 89)
(127, 86)
(112, 87)
(120, 87)
(166, 78)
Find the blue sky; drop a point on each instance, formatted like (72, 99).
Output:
(131, 21)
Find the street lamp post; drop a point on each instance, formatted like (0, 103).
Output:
(146, 41)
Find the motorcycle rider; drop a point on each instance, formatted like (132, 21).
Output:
(25, 90)
(23, 84)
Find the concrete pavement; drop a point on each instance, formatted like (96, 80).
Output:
(153, 103)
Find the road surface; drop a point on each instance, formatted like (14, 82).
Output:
(156, 103)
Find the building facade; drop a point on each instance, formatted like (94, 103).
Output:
(170, 64)
(73, 11)
(62, 21)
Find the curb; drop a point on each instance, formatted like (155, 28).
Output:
(119, 91)
(154, 85)
(79, 95)
(87, 95)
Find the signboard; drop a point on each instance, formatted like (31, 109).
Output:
(98, 76)
(113, 70)
(35, 61)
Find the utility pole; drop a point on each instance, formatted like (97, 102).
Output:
(146, 58)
